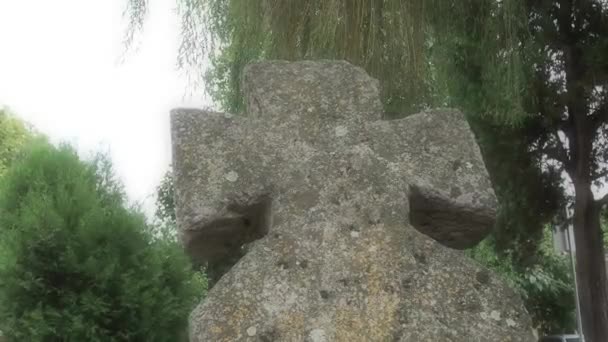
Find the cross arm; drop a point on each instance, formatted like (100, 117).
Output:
(451, 197)
(220, 187)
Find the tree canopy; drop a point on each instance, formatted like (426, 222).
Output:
(14, 134)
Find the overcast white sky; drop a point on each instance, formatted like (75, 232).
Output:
(60, 71)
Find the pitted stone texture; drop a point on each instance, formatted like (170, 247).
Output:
(389, 284)
(325, 194)
(321, 127)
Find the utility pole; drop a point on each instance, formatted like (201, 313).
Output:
(572, 251)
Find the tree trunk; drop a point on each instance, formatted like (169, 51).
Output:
(590, 259)
(590, 265)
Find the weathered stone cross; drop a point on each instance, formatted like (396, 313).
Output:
(312, 145)
(312, 179)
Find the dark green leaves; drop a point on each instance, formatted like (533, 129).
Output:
(77, 264)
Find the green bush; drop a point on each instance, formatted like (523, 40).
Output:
(546, 287)
(14, 133)
(78, 264)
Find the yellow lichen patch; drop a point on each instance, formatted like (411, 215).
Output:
(243, 313)
(216, 329)
(382, 307)
(229, 329)
(349, 326)
(377, 318)
(292, 324)
(374, 323)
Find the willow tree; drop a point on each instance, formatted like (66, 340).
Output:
(381, 36)
(14, 134)
(528, 74)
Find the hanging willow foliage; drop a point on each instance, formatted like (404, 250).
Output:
(393, 40)
(135, 12)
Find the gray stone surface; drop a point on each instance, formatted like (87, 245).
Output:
(321, 197)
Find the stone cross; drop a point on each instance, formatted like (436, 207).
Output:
(310, 144)
(313, 187)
